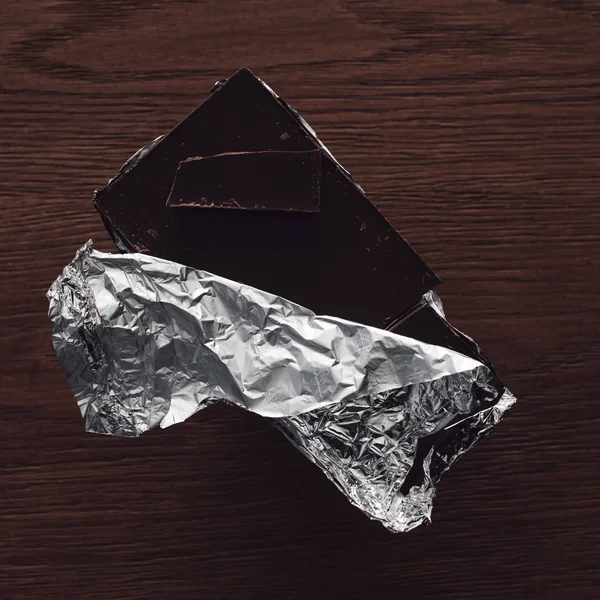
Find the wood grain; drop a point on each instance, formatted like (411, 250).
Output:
(475, 127)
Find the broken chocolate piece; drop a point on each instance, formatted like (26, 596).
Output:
(272, 180)
(345, 260)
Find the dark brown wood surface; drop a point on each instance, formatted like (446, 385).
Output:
(475, 127)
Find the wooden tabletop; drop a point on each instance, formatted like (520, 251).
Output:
(475, 127)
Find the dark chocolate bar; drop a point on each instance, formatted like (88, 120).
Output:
(307, 234)
(344, 260)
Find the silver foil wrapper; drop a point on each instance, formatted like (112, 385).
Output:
(145, 342)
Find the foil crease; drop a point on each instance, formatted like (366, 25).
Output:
(145, 342)
(368, 448)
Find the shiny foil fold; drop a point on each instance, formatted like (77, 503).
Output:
(145, 342)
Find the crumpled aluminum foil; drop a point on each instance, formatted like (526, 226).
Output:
(145, 342)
